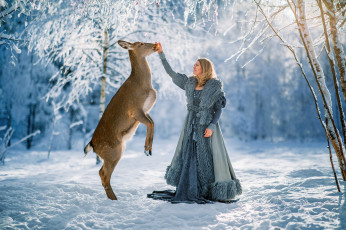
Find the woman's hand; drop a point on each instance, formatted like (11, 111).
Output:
(208, 132)
(159, 47)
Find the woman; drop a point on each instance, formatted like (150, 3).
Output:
(200, 170)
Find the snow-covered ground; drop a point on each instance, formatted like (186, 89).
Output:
(285, 186)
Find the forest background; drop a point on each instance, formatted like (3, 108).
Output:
(54, 56)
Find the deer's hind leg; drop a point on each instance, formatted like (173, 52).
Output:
(107, 170)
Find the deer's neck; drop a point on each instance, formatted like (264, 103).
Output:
(140, 69)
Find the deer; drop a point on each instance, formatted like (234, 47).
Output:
(128, 108)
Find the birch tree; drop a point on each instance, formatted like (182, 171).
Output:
(333, 132)
(330, 56)
(301, 21)
(336, 21)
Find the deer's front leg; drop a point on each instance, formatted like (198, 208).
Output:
(148, 122)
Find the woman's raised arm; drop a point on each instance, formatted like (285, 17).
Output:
(178, 78)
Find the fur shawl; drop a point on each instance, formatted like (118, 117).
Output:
(211, 92)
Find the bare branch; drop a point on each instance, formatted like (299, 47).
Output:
(10, 10)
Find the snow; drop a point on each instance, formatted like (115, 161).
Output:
(9, 10)
(3, 3)
(285, 185)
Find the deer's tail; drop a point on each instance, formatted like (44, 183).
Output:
(88, 148)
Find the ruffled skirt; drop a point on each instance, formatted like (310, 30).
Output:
(218, 182)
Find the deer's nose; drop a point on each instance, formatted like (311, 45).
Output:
(155, 47)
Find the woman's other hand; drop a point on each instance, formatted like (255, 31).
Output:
(159, 47)
(208, 132)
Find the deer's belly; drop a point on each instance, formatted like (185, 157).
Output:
(128, 134)
(149, 101)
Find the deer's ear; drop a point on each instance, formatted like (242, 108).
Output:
(125, 44)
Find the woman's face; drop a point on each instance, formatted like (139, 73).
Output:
(197, 69)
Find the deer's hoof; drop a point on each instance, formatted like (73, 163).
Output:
(147, 152)
(112, 197)
(110, 194)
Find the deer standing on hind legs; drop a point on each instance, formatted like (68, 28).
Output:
(128, 107)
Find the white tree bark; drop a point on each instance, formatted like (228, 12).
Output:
(320, 78)
(56, 117)
(327, 48)
(338, 49)
(103, 79)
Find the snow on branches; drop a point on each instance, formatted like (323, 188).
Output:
(73, 38)
(81, 40)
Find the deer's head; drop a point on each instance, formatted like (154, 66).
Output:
(141, 49)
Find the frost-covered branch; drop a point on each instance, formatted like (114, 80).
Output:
(73, 38)
(9, 10)
(256, 35)
(7, 38)
(298, 62)
(6, 140)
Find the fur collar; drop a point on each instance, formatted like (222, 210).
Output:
(210, 93)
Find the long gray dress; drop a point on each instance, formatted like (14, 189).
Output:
(200, 169)
(189, 187)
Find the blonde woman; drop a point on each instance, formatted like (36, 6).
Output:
(200, 169)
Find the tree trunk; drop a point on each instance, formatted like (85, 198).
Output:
(338, 49)
(31, 116)
(9, 121)
(333, 133)
(331, 162)
(103, 80)
(31, 124)
(70, 133)
(51, 137)
(85, 119)
(56, 117)
(332, 66)
(28, 128)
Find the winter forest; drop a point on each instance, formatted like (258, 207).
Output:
(283, 68)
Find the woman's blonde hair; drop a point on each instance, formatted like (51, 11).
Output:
(208, 71)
